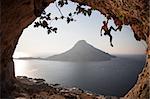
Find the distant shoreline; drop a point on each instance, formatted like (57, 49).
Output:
(118, 55)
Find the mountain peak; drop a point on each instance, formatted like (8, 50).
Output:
(81, 42)
(82, 51)
(81, 45)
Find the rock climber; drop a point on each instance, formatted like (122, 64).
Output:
(107, 31)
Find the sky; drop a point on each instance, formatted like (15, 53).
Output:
(36, 41)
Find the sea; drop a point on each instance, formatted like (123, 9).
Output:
(114, 77)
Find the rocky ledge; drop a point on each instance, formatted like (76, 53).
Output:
(29, 88)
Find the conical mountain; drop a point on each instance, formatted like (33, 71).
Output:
(82, 51)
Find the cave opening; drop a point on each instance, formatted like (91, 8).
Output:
(35, 44)
(15, 19)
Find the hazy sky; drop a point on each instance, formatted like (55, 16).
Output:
(36, 41)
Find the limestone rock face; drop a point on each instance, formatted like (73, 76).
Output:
(18, 14)
(15, 16)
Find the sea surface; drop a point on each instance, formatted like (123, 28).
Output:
(114, 77)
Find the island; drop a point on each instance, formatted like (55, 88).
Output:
(81, 52)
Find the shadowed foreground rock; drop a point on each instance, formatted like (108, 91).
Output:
(37, 89)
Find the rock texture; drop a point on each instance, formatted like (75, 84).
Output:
(15, 16)
(18, 14)
(29, 88)
(81, 52)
